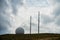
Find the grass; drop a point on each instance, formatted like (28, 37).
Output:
(42, 36)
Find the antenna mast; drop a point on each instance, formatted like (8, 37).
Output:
(30, 24)
(38, 21)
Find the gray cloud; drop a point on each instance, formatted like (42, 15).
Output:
(50, 24)
(5, 22)
(46, 19)
(57, 1)
(54, 22)
(56, 11)
(3, 5)
(4, 18)
(57, 21)
(15, 4)
(54, 2)
(37, 3)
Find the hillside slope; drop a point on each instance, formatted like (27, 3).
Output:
(44, 36)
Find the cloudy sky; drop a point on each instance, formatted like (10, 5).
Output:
(16, 13)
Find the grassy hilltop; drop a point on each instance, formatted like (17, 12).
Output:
(44, 36)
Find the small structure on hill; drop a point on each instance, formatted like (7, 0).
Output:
(19, 30)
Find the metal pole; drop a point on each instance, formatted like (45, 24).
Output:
(30, 24)
(38, 21)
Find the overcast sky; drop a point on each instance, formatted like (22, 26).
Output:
(16, 13)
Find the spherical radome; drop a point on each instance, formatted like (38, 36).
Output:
(19, 30)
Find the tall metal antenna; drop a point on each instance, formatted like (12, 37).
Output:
(30, 23)
(38, 21)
